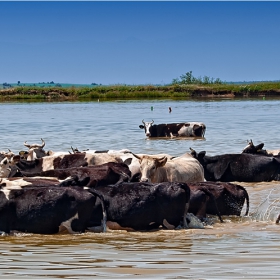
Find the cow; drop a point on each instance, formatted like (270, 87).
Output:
(187, 129)
(252, 149)
(49, 162)
(122, 156)
(238, 167)
(200, 197)
(224, 199)
(62, 161)
(34, 150)
(46, 210)
(76, 151)
(31, 182)
(4, 154)
(179, 169)
(5, 167)
(104, 174)
(143, 206)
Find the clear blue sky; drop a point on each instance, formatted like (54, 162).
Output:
(138, 42)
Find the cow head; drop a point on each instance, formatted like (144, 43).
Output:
(149, 166)
(23, 154)
(199, 156)
(252, 149)
(8, 154)
(146, 126)
(5, 168)
(35, 150)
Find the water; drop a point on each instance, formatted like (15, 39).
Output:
(242, 247)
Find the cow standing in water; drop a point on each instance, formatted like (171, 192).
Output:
(143, 205)
(239, 167)
(47, 210)
(187, 129)
(179, 169)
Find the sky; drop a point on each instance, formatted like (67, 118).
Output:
(138, 42)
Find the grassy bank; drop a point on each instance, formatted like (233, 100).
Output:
(141, 92)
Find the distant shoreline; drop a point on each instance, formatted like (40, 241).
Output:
(140, 92)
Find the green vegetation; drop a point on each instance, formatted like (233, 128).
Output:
(176, 91)
(189, 79)
(185, 87)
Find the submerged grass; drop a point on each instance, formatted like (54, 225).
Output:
(141, 92)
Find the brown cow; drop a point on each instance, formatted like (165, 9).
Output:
(229, 197)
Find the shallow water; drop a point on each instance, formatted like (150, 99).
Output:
(242, 247)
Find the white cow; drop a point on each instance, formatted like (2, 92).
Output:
(132, 160)
(179, 169)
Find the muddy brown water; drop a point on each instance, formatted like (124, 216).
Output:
(242, 247)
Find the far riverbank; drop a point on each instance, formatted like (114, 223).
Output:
(141, 92)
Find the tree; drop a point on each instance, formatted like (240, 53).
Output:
(188, 78)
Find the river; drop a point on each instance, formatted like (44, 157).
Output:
(242, 247)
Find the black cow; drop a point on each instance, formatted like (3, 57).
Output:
(228, 198)
(200, 197)
(238, 167)
(46, 210)
(188, 129)
(144, 206)
(103, 174)
(31, 182)
(258, 149)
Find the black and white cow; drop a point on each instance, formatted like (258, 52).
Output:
(187, 129)
(5, 167)
(239, 167)
(46, 210)
(144, 206)
(61, 161)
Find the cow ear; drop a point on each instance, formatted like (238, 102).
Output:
(141, 126)
(259, 147)
(128, 161)
(161, 161)
(218, 169)
(201, 155)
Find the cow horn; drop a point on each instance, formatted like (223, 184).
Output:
(162, 158)
(34, 146)
(138, 157)
(73, 150)
(250, 142)
(193, 152)
(43, 143)
(152, 122)
(143, 122)
(26, 145)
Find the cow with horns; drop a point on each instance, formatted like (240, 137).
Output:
(187, 129)
(34, 151)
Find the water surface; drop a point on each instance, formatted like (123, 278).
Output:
(242, 247)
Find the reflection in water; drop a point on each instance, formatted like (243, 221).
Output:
(241, 247)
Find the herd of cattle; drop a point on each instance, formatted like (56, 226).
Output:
(48, 192)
